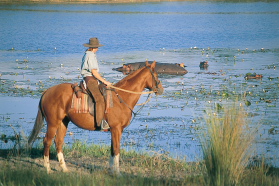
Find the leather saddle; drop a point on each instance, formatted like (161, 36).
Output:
(81, 92)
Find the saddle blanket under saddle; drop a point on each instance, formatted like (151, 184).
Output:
(83, 102)
(81, 105)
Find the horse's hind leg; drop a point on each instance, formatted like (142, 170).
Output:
(47, 143)
(59, 141)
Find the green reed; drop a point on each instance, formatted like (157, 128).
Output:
(227, 145)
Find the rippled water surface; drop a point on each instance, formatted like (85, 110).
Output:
(41, 46)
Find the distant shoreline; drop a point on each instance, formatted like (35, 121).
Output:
(80, 1)
(111, 1)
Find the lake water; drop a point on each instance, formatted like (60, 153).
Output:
(41, 45)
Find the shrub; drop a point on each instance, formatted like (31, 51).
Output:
(226, 145)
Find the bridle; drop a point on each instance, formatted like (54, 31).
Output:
(153, 90)
(157, 81)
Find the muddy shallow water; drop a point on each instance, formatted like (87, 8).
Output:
(32, 62)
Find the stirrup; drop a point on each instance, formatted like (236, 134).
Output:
(104, 125)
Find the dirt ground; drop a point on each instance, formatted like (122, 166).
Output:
(87, 165)
(84, 165)
(74, 162)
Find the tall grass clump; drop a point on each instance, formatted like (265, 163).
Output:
(227, 145)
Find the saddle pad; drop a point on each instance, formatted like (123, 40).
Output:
(80, 105)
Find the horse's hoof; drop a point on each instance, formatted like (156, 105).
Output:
(115, 173)
(50, 171)
(66, 170)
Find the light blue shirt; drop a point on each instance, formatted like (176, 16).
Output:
(89, 62)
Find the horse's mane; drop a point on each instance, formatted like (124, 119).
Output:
(129, 77)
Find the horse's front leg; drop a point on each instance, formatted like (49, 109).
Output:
(116, 134)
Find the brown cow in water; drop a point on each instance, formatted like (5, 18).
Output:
(161, 68)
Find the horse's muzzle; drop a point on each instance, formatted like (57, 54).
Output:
(159, 90)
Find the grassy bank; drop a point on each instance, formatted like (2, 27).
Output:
(89, 166)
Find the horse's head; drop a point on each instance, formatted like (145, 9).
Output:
(154, 83)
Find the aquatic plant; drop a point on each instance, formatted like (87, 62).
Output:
(226, 145)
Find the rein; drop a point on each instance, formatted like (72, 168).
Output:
(133, 92)
(135, 113)
(142, 104)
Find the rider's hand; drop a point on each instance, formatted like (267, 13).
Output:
(108, 83)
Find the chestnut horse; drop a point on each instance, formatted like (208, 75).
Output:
(55, 108)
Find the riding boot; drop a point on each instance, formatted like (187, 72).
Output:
(93, 87)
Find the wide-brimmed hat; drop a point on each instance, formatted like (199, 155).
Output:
(93, 42)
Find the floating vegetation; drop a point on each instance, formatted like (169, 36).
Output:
(247, 103)
(14, 88)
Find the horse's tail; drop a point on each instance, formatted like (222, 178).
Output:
(38, 125)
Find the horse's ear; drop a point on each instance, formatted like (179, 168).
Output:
(153, 65)
(147, 63)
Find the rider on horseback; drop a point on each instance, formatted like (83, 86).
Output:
(92, 78)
